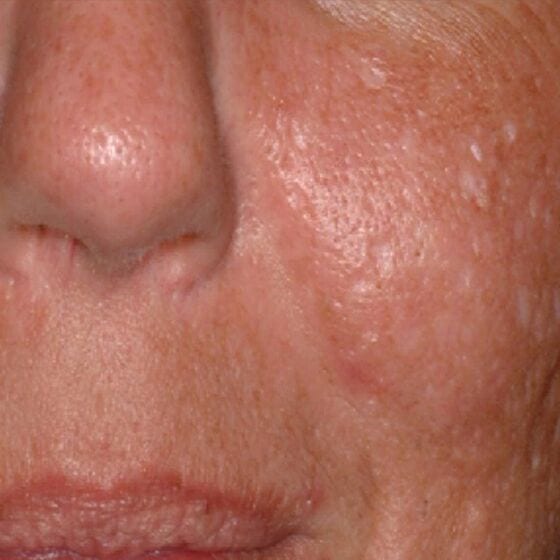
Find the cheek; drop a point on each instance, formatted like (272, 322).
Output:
(446, 317)
(400, 207)
(431, 258)
(424, 299)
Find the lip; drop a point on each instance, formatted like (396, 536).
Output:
(147, 518)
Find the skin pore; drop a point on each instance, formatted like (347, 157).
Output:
(301, 253)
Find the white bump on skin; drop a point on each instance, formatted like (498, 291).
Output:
(510, 132)
(9, 283)
(476, 151)
(373, 337)
(467, 278)
(368, 339)
(362, 288)
(475, 188)
(372, 76)
(538, 81)
(408, 142)
(476, 248)
(300, 141)
(337, 304)
(385, 261)
(301, 136)
(533, 208)
(535, 462)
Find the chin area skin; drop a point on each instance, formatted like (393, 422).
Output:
(283, 276)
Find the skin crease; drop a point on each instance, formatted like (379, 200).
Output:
(323, 233)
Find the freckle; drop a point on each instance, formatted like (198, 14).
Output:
(523, 307)
(476, 151)
(510, 132)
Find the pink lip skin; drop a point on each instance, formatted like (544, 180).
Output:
(53, 519)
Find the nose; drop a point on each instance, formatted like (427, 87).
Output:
(109, 134)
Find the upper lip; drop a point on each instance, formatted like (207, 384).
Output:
(140, 518)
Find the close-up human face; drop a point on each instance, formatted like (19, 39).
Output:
(279, 279)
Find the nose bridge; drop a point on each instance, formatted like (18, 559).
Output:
(109, 133)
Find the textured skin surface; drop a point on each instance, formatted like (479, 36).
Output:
(303, 251)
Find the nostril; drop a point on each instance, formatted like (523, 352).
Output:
(41, 240)
(41, 257)
(133, 260)
(36, 255)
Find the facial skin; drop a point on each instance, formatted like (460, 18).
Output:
(299, 255)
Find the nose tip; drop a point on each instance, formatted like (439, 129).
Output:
(109, 134)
